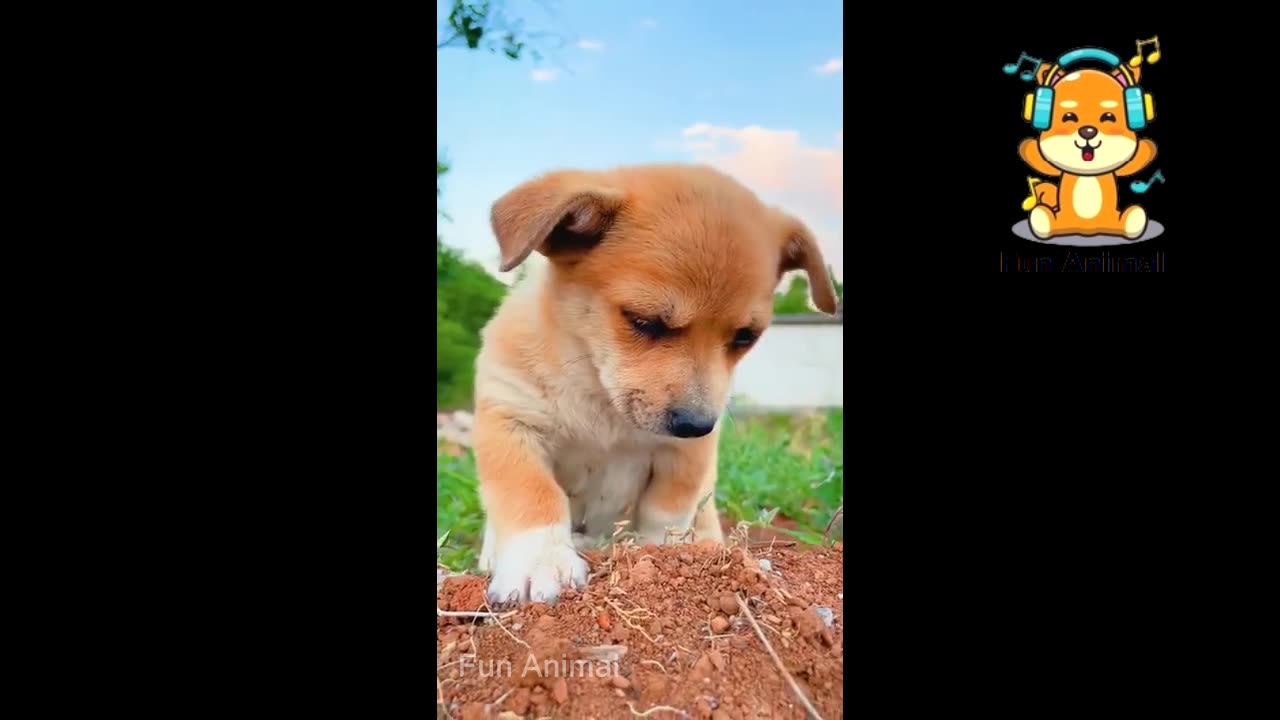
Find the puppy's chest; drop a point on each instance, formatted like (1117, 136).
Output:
(602, 482)
(1086, 195)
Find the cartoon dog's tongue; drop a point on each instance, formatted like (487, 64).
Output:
(1087, 153)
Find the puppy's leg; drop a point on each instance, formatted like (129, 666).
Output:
(683, 474)
(1042, 219)
(528, 541)
(1133, 222)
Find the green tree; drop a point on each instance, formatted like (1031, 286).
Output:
(795, 299)
(467, 295)
(483, 25)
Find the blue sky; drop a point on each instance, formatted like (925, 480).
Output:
(754, 88)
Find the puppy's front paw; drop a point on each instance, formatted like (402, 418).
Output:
(535, 565)
(1135, 222)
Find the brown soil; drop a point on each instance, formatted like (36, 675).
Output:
(656, 626)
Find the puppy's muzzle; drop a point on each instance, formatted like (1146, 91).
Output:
(688, 423)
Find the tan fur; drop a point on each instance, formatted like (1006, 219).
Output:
(571, 401)
(1076, 205)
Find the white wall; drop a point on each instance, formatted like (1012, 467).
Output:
(793, 366)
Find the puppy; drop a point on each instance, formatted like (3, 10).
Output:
(1089, 145)
(601, 379)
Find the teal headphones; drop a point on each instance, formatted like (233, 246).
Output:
(1138, 108)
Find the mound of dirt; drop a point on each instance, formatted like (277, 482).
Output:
(659, 632)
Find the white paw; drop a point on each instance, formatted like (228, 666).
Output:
(1041, 221)
(536, 565)
(1135, 223)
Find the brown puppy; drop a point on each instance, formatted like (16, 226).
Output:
(601, 378)
(1089, 145)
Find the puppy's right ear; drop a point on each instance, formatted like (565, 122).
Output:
(800, 252)
(559, 215)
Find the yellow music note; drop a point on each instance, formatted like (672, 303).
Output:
(1153, 58)
(1030, 202)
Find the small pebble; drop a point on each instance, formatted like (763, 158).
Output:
(717, 659)
(719, 624)
(765, 565)
(621, 682)
(560, 691)
(828, 617)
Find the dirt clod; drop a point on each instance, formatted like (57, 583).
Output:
(644, 571)
(728, 603)
(465, 593)
(560, 691)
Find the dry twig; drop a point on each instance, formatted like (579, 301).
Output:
(654, 709)
(777, 660)
(626, 618)
(504, 627)
(443, 707)
(456, 613)
(838, 513)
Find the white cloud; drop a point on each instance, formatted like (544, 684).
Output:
(649, 23)
(544, 75)
(590, 44)
(834, 65)
(772, 160)
(805, 180)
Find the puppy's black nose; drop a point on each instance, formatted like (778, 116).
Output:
(1088, 132)
(685, 423)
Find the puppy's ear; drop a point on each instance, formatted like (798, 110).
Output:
(1042, 72)
(560, 214)
(800, 252)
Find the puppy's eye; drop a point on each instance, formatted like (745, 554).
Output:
(1070, 117)
(1108, 117)
(743, 338)
(648, 327)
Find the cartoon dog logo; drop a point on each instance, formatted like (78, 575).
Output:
(1088, 121)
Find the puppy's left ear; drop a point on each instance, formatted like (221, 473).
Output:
(561, 215)
(1042, 72)
(800, 252)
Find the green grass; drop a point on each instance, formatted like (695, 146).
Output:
(771, 467)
